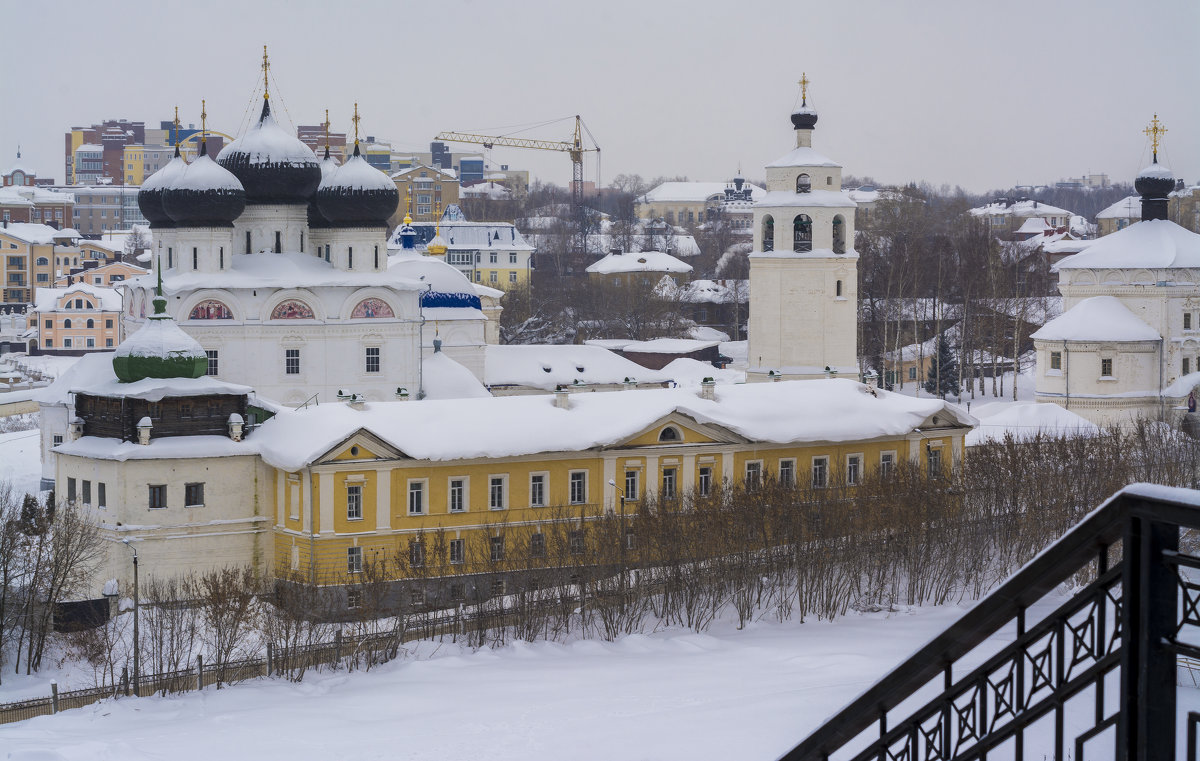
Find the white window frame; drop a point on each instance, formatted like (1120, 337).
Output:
(673, 490)
(854, 469)
(493, 543)
(543, 499)
(787, 471)
(376, 359)
(633, 480)
(820, 465)
(704, 480)
(498, 480)
(753, 474)
(459, 557)
(577, 481)
(887, 463)
(418, 487)
(354, 499)
(354, 559)
(464, 494)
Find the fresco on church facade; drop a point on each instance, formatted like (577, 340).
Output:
(368, 308)
(210, 309)
(292, 310)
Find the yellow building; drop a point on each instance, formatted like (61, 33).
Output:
(77, 319)
(427, 189)
(30, 255)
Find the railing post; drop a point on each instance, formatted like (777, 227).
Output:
(125, 680)
(337, 648)
(53, 696)
(199, 672)
(1146, 730)
(270, 658)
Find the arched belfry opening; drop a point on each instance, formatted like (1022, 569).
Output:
(803, 183)
(839, 235)
(802, 233)
(768, 233)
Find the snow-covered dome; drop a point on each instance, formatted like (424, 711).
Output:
(272, 164)
(206, 194)
(804, 117)
(437, 245)
(329, 165)
(447, 286)
(150, 199)
(159, 349)
(357, 195)
(1155, 183)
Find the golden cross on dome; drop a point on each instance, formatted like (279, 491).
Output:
(266, 66)
(804, 80)
(355, 120)
(1154, 132)
(327, 130)
(203, 118)
(177, 125)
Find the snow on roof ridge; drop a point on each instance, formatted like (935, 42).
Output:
(1099, 318)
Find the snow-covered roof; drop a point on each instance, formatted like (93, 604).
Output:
(26, 195)
(1152, 244)
(1129, 207)
(157, 389)
(1026, 420)
(90, 148)
(802, 157)
(32, 232)
(489, 190)
(443, 378)
(46, 299)
(545, 366)
(714, 292)
(1035, 225)
(668, 346)
(643, 261)
(1019, 209)
(266, 270)
(428, 271)
(694, 192)
(793, 412)
(164, 448)
(831, 199)
(474, 236)
(1100, 318)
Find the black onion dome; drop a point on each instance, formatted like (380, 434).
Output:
(272, 165)
(804, 117)
(150, 196)
(357, 195)
(316, 219)
(1155, 181)
(206, 195)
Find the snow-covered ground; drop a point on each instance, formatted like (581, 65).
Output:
(20, 460)
(675, 694)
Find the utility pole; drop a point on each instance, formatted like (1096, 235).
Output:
(137, 658)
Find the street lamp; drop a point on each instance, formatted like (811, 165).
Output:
(621, 538)
(137, 660)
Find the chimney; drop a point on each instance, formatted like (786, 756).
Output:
(143, 428)
(236, 425)
(708, 389)
(561, 397)
(629, 384)
(75, 428)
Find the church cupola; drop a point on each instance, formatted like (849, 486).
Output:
(150, 196)
(357, 194)
(407, 234)
(1155, 182)
(329, 165)
(205, 194)
(804, 118)
(273, 165)
(159, 349)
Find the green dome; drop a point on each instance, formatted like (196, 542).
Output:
(159, 349)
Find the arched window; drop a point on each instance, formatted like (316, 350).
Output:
(91, 323)
(67, 323)
(669, 434)
(838, 292)
(768, 232)
(839, 235)
(803, 184)
(802, 233)
(42, 261)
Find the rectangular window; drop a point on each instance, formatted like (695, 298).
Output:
(754, 474)
(193, 495)
(1187, 320)
(497, 549)
(512, 257)
(705, 481)
(457, 592)
(537, 490)
(1056, 360)
(101, 496)
(354, 560)
(492, 257)
(575, 542)
(354, 502)
(56, 439)
(457, 551)
(158, 496)
(537, 545)
(497, 492)
(1106, 368)
(108, 324)
(820, 472)
(934, 458)
(497, 587)
(1186, 366)
(853, 469)
(457, 495)
(71, 486)
(353, 599)
(87, 492)
(213, 361)
(416, 497)
(291, 361)
(631, 484)
(787, 473)
(887, 461)
(912, 373)
(578, 487)
(372, 359)
(512, 277)
(416, 554)
(668, 483)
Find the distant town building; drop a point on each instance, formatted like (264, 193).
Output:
(31, 203)
(1184, 206)
(644, 268)
(428, 189)
(494, 254)
(692, 203)
(316, 138)
(31, 253)
(1120, 215)
(1005, 216)
(77, 319)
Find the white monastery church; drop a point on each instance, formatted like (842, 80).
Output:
(1128, 342)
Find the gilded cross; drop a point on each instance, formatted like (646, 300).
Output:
(327, 130)
(804, 80)
(177, 125)
(266, 66)
(203, 118)
(355, 120)
(1154, 132)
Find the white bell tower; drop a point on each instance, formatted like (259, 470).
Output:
(803, 269)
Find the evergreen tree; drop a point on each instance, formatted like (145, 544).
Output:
(31, 515)
(943, 371)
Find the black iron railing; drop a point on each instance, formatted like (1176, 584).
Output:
(1094, 678)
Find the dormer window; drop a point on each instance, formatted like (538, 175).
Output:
(803, 184)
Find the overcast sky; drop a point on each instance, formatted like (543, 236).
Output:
(983, 95)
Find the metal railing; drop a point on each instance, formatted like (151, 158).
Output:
(1113, 648)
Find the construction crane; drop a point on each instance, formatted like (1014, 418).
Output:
(574, 148)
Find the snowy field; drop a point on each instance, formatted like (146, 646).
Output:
(20, 460)
(676, 694)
